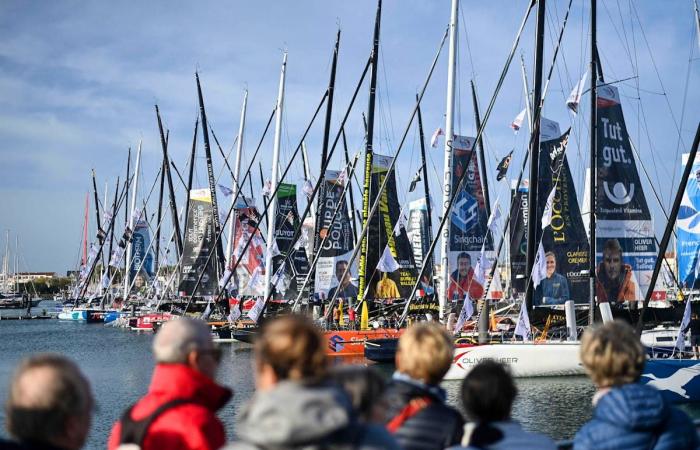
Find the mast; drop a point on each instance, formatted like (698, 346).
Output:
(171, 190)
(351, 206)
(159, 214)
(100, 232)
(128, 169)
(210, 172)
(369, 152)
(533, 221)
(449, 136)
(480, 145)
(236, 187)
(307, 172)
(191, 174)
(114, 217)
(425, 185)
(526, 91)
(86, 223)
(127, 269)
(593, 171)
(272, 205)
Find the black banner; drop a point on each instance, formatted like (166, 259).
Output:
(518, 236)
(286, 222)
(198, 245)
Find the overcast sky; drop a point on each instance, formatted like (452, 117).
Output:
(78, 81)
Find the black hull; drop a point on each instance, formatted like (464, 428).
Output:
(381, 350)
(244, 335)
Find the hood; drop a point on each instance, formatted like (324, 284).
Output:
(634, 407)
(293, 414)
(180, 381)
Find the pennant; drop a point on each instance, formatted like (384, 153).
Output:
(279, 280)
(207, 311)
(539, 269)
(401, 223)
(575, 97)
(495, 215)
(387, 263)
(107, 217)
(480, 269)
(415, 180)
(308, 188)
(342, 177)
(106, 280)
(518, 121)
(522, 329)
(547, 215)
(267, 188)
(257, 309)
(466, 313)
(436, 135)
(503, 166)
(225, 190)
(234, 315)
(680, 340)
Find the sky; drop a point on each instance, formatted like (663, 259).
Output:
(79, 80)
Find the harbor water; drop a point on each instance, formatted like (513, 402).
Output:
(118, 364)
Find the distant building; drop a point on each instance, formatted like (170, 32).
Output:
(25, 277)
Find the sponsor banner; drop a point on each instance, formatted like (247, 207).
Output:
(286, 222)
(339, 245)
(565, 237)
(253, 259)
(688, 229)
(518, 235)
(198, 245)
(383, 232)
(418, 232)
(141, 256)
(625, 246)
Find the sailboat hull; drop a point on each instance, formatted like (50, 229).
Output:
(677, 379)
(352, 342)
(524, 359)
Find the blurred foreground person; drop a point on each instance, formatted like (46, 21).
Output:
(178, 412)
(417, 414)
(488, 392)
(627, 414)
(295, 405)
(49, 405)
(365, 387)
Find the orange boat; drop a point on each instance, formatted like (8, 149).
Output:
(352, 342)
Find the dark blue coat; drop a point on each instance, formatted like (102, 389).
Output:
(633, 417)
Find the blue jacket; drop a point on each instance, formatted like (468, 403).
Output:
(631, 417)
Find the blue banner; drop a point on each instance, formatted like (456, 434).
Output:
(688, 230)
(141, 240)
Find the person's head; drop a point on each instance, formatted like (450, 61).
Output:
(612, 354)
(365, 387)
(612, 259)
(488, 392)
(49, 402)
(551, 261)
(187, 341)
(340, 267)
(289, 348)
(425, 352)
(464, 262)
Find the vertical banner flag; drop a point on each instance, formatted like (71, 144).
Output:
(688, 229)
(518, 234)
(198, 245)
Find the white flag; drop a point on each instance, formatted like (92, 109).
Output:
(207, 311)
(539, 270)
(547, 215)
(308, 188)
(224, 277)
(255, 311)
(518, 121)
(575, 97)
(465, 314)
(522, 329)
(234, 315)
(436, 135)
(480, 269)
(495, 215)
(105, 280)
(680, 340)
(273, 248)
(387, 263)
(117, 255)
(401, 223)
(256, 283)
(267, 189)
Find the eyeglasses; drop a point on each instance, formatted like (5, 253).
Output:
(215, 353)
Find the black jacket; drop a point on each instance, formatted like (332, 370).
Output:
(437, 426)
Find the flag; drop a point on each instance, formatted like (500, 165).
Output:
(234, 315)
(224, 277)
(547, 215)
(273, 248)
(105, 280)
(465, 314)
(401, 223)
(308, 188)
(415, 180)
(518, 121)
(225, 190)
(256, 282)
(680, 340)
(495, 215)
(136, 216)
(522, 329)
(387, 263)
(539, 269)
(207, 311)
(503, 166)
(436, 135)
(575, 97)
(279, 279)
(116, 258)
(342, 177)
(267, 188)
(480, 269)
(257, 309)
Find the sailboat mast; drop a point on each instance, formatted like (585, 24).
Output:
(426, 188)
(159, 215)
(86, 222)
(307, 172)
(127, 268)
(593, 171)
(210, 173)
(236, 187)
(100, 233)
(190, 176)
(351, 207)
(114, 217)
(533, 221)
(369, 152)
(480, 145)
(171, 190)
(449, 136)
(272, 205)
(127, 182)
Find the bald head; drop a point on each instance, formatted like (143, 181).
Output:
(177, 338)
(49, 402)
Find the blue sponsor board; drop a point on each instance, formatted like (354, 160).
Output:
(677, 379)
(465, 213)
(688, 230)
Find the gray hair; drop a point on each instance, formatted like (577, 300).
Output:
(177, 338)
(46, 390)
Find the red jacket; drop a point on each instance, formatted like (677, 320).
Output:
(458, 287)
(186, 426)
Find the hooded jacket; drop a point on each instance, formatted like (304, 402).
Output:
(294, 415)
(186, 426)
(512, 437)
(634, 417)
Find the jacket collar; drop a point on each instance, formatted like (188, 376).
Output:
(434, 390)
(182, 381)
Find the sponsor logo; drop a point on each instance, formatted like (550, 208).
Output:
(465, 361)
(465, 214)
(335, 343)
(620, 194)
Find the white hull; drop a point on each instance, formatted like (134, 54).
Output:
(545, 359)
